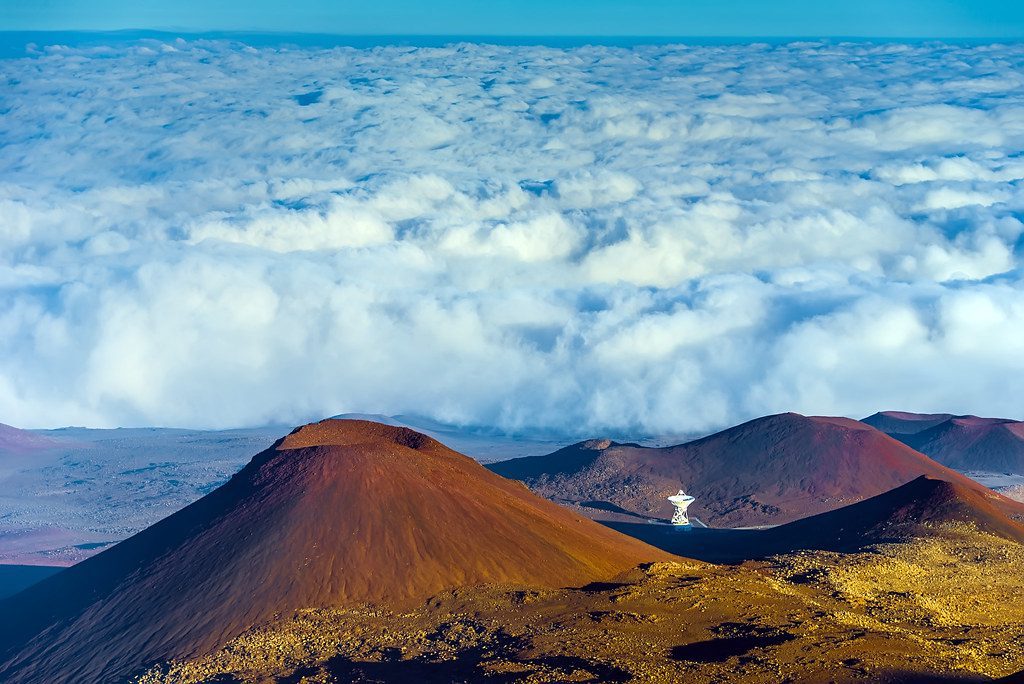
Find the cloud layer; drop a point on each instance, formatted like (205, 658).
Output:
(661, 239)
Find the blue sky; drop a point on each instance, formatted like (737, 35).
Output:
(867, 18)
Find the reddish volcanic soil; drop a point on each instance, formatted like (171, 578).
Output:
(961, 442)
(13, 440)
(770, 470)
(337, 513)
(919, 584)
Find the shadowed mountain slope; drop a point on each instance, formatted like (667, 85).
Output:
(905, 423)
(771, 470)
(336, 513)
(923, 508)
(919, 508)
(961, 442)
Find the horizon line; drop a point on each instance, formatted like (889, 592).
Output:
(505, 36)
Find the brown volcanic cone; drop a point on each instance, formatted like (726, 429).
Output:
(338, 512)
(962, 442)
(770, 470)
(920, 508)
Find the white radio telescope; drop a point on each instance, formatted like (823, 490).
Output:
(681, 501)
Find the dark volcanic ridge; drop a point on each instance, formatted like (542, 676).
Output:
(962, 442)
(921, 508)
(904, 422)
(767, 471)
(336, 513)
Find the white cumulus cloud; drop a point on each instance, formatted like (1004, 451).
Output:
(656, 239)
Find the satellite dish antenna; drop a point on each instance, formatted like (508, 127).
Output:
(681, 501)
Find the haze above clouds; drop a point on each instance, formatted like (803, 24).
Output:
(657, 239)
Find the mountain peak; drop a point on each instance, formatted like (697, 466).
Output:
(347, 432)
(964, 442)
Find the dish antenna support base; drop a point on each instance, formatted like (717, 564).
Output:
(681, 501)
